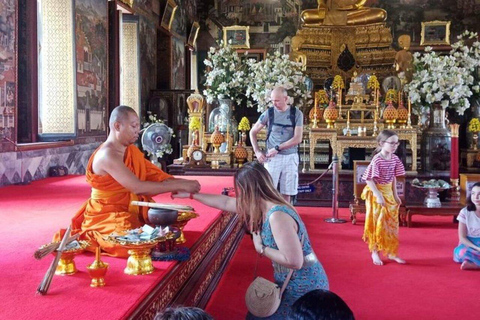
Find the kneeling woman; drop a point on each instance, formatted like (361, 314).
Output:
(468, 251)
(277, 232)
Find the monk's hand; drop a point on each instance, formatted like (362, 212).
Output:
(190, 186)
(180, 195)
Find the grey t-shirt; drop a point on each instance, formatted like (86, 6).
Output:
(281, 134)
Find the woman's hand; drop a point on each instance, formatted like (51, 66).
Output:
(257, 241)
(180, 195)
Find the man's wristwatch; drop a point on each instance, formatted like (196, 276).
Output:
(277, 147)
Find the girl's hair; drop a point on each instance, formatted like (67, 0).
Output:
(382, 136)
(254, 186)
(470, 205)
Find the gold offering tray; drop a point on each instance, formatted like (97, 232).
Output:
(143, 243)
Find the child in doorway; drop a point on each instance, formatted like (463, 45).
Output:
(381, 199)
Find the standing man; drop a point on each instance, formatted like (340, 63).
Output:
(284, 134)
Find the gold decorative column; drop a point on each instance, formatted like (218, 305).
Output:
(196, 109)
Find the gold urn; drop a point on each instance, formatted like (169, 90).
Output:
(330, 115)
(240, 154)
(182, 220)
(315, 113)
(216, 139)
(390, 115)
(402, 115)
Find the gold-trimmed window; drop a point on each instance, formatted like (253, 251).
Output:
(56, 68)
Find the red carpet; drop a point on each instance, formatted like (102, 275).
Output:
(31, 214)
(430, 286)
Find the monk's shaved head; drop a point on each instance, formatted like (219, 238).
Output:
(119, 114)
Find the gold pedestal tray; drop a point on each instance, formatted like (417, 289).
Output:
(66, 264)
(139, 261)
(182, 220)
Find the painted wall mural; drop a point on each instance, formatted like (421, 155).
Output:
(91, 56)
(7, 69)
(148, 58)
(273, 21)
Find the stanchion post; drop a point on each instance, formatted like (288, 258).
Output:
(335, 219)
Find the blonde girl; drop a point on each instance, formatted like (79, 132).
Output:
(381, 199)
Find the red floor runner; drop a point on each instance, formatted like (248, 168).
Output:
(430, 286)
(31, 214)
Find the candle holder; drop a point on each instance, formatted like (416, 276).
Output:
(409, 121)
(97, 270)
(455, 190)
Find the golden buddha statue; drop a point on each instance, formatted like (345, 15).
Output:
(404, 58)
(342, 13)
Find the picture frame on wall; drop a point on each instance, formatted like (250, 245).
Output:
(237, 36)
(466, 183)
(178, 75)
(192, 38)
(168, 14)
(255, 54)
(435, 33)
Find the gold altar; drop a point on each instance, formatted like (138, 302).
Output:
(339, 29)
(339, 142)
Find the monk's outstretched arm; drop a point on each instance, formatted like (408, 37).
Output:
(113, 165)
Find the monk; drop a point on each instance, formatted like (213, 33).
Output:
(119, 173)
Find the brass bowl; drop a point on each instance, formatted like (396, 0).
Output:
(182, 220)
(66, 264)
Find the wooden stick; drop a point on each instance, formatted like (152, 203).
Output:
(47, 279)
(162, 206)
(45, 251)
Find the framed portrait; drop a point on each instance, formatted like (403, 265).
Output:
(169, 14)
(466, 183)
(192, 37)
(237, 36)
(255, 54)
(435, 33)
(178, 79)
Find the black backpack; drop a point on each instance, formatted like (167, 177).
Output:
(271, 120)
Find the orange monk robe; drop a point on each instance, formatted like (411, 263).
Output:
(108, 209)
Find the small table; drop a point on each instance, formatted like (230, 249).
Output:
(447, 209)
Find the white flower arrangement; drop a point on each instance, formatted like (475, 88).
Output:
(165, 149)
(226, 77)
(276, 70)
(448, 79)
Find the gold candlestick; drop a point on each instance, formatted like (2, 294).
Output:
(409, 120)
(97, 270)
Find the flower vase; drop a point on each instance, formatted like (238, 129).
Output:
(221, 116)
(475, 141)
(436, 142)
